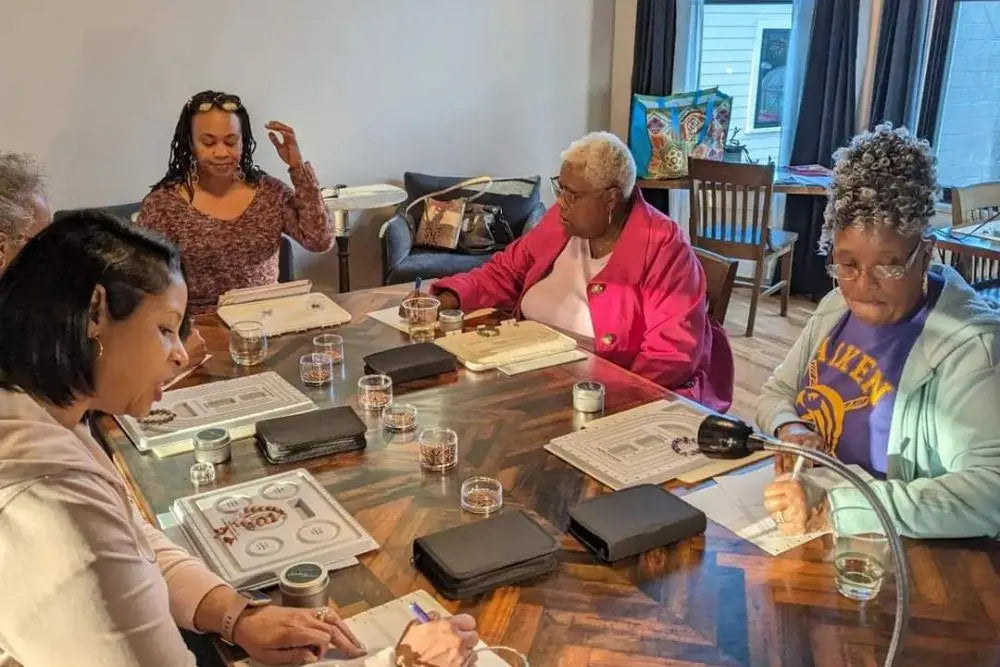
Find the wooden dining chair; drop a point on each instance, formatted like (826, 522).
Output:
(969, 206)
(720, 275)
(731, 215)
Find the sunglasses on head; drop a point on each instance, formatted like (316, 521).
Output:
(221, 101)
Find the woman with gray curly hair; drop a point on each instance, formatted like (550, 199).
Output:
(24, 208)
(898, 370)
(607, 266)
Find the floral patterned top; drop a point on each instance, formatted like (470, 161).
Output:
(221, 255)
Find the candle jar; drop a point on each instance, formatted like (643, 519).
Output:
(212, 445)
(451, 320)
(304, 585)
(588, 396)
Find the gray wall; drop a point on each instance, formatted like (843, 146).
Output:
(373, 88)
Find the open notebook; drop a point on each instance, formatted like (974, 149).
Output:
(282, 308)
(381, 627)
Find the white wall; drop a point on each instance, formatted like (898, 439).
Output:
(728, 49)
(373, 88)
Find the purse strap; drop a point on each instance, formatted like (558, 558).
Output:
(457, 186)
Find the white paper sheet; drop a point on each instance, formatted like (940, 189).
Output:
(381, 627)
(391, 317)
(736, 501)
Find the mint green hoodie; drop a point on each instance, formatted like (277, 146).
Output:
(943, 477)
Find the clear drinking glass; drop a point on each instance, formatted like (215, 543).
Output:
(316, 369)
(861, 553)
(374, 392)
(421, 316)
(331, 344)
(438, 449)
(247, 343)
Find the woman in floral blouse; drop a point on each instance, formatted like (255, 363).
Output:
(223, 211)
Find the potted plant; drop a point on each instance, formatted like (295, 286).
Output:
(734, 149)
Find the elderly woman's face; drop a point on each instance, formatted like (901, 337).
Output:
(585, 212)
(878, 300)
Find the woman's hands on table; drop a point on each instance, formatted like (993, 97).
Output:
(796, 433)
(281, 635)
(786, 500)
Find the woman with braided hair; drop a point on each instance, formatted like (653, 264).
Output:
(222, 210)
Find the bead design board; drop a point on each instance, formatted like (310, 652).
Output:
(651, 444)
(235, 405)
(250, 532)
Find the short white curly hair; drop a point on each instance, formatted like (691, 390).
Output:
(21, 178)
(605, 159)
(885, 179)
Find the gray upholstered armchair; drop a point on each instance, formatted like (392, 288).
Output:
(520, 199)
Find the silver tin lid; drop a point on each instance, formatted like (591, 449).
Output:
(588, 389)
(211, 438)
(304, 579)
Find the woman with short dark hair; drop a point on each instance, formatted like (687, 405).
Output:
(86, 580)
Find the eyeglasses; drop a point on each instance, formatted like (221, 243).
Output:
(222, 101)
(567, 196)
(879, 271)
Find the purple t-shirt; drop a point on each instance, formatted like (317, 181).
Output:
(849, 387)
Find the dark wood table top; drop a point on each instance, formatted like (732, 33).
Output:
(714, 599)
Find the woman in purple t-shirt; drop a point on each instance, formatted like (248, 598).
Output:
(897, 371)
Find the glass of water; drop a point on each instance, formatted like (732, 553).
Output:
(247, 343)
(421, 316)
(861, 553)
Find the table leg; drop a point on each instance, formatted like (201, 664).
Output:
(343, 261)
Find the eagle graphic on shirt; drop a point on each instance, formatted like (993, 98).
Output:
(823, 406)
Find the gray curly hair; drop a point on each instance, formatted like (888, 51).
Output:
(885, 179)
(21, 178)
(605, 159)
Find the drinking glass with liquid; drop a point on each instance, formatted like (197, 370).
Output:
(247, 343)
(861, 552)
(421, 317)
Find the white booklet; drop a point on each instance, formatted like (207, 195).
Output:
(282, 308)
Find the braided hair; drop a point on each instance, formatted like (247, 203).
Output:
(180, 166)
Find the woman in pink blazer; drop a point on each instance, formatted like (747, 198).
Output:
(605, 264)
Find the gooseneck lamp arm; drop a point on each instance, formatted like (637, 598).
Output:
(728, 438)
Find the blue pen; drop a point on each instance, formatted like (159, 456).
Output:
(416, 284)
(421, 615)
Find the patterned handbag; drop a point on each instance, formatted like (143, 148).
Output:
(446, 222)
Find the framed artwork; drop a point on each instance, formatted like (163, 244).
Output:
(767, 83)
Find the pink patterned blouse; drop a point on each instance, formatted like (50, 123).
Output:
(220, 255)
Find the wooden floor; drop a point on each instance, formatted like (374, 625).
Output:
(757, 357)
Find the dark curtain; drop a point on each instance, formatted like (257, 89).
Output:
(826, 122)
(937, 64)
(897, 55)
(653, 62)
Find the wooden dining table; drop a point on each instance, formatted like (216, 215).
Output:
(714, 599)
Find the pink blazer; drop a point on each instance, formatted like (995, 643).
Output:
(648, 304)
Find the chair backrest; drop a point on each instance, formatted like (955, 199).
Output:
(720, 276)
(974, 203)
(730, 207)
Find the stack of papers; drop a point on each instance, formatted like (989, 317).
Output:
(736, 501)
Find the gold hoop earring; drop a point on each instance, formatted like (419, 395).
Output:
(100, 346)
